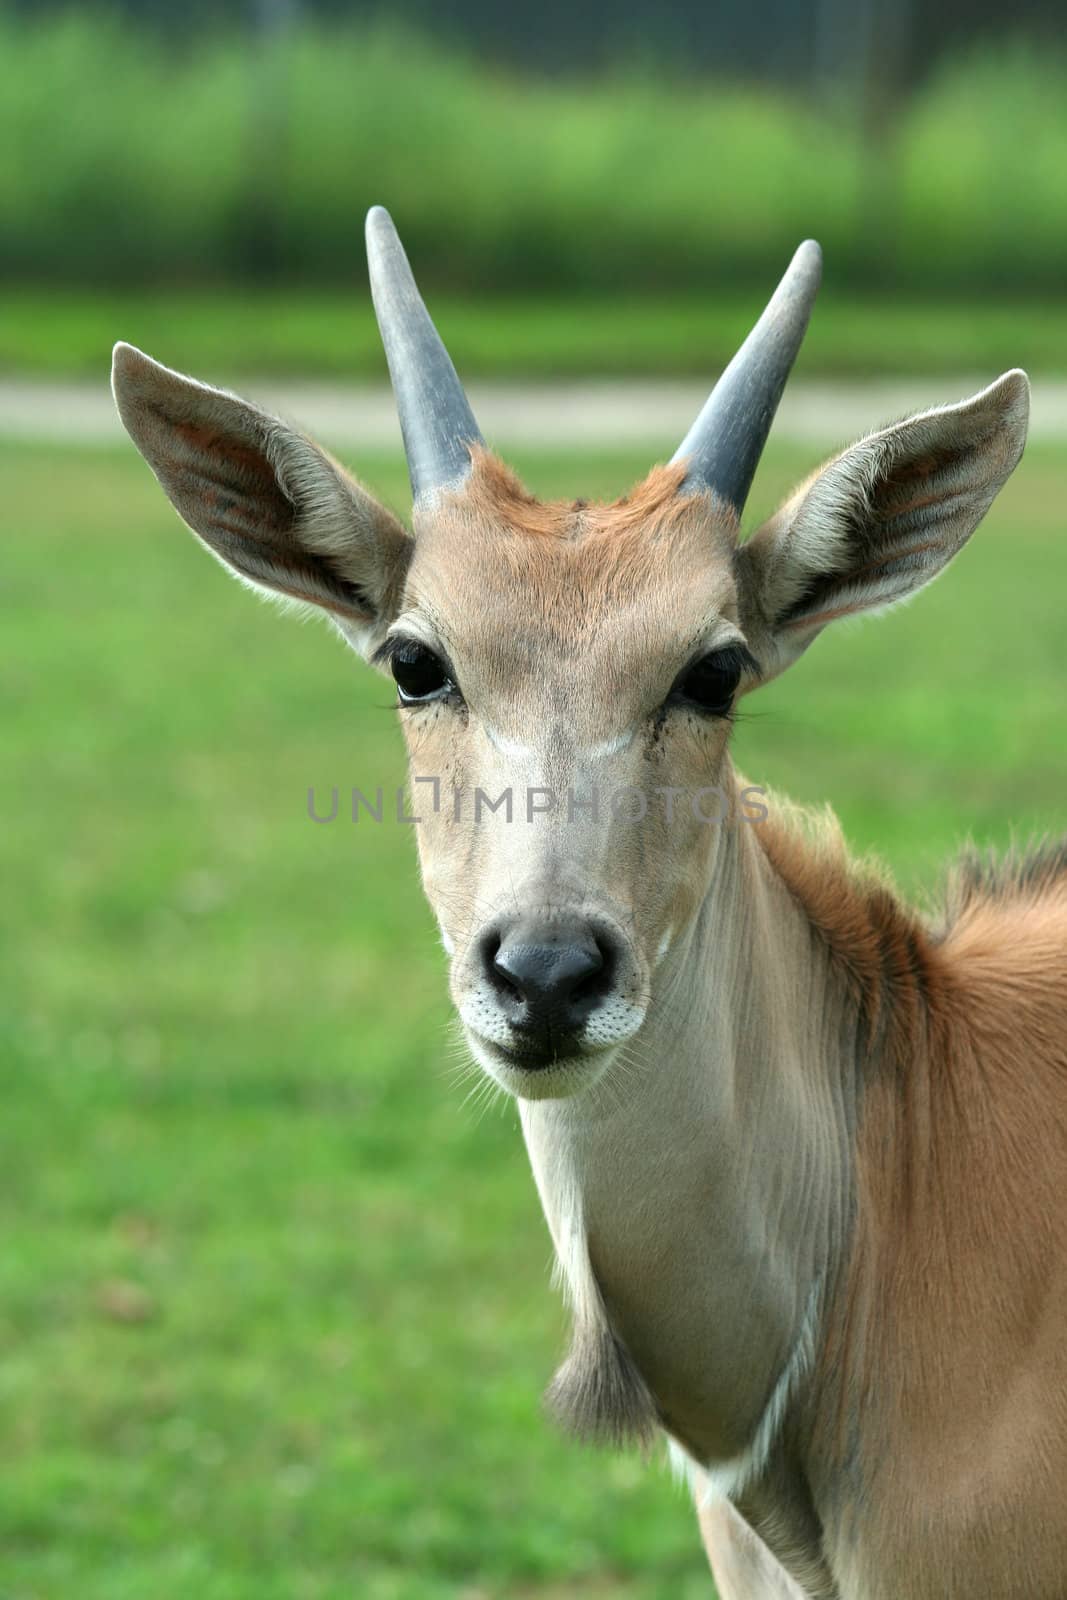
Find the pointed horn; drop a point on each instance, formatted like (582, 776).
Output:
(725, 443)
(435, 417)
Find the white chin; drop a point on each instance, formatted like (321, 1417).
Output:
(563, 1078)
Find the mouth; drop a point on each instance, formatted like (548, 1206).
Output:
(533, 1057)
(532, 1073)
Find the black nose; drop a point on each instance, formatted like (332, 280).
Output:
(548, 978)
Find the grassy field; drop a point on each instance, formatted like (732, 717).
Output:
(274, 1313)
(70, 332)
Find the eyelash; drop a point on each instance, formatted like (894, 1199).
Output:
(732, 663)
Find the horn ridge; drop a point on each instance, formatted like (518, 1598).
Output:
(724, 445)
(435, 416)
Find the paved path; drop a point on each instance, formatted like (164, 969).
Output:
(580, 416)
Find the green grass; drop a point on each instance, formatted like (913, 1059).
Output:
(274, 1312)
(221, 332)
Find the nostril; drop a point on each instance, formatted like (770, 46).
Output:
(591, 985)
(495, 969)
(507, 985)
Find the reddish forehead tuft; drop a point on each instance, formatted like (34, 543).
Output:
(492, 557)
(493, 493)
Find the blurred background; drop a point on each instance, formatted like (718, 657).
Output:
(274, 1309)
(205, 171)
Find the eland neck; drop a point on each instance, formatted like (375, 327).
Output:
(699, 1198)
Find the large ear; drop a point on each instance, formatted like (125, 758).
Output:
(271, 505)
(877, 523)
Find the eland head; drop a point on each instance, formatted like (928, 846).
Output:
(582, 661)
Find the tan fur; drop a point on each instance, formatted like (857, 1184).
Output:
(880, 946)
(571, 566)
(949, 1325)
(940, 1400)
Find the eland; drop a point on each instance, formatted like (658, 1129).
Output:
(802, 1152)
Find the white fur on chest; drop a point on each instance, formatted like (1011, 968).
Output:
(558, 1181)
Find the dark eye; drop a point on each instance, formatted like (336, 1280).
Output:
(710, 684)
(419, 673)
